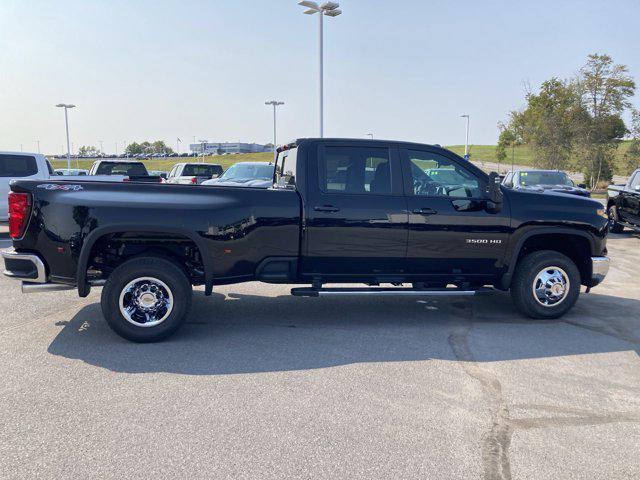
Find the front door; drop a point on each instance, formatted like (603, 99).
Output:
(630, 205)
(356, 218)
(451, 233)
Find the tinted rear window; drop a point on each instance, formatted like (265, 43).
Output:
(121, 168)
(17, 166)
(201, 170)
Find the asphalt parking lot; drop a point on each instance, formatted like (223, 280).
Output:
(260, 384)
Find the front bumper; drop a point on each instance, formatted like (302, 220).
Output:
(599, 269)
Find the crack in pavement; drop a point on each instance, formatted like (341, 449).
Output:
(496, 442)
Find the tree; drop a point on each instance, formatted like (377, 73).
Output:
(146, 147)
(133, 149)
(87, 151)
(546, 124)
(509, 137)
(632, 155)
(604, 89)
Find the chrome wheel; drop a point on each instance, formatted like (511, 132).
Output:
(146, 302)
(551, 286)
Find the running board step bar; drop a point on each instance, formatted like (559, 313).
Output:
(442, 292)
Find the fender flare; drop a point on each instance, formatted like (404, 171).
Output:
(515, 253)
(89, 241)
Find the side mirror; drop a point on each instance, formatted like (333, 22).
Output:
(582, 185)
(637, 188)
(494, 194)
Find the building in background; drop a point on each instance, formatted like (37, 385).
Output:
(222, 148)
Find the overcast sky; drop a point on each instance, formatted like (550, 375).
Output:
(403, 69)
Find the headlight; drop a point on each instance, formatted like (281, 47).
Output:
(603, 213)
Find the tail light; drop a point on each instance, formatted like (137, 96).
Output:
(194, 180)
(19, 210)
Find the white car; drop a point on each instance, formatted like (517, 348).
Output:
(193, 173)
(20, 165)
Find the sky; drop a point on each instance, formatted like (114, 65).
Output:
(405, 70)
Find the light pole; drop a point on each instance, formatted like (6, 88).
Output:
(101, 148)
(178, 145)
(370, 135)
(466, 142)
(275, 104)
(66, 107)
(330, 9)
(116, 149)
(203, 143)
(38, 145)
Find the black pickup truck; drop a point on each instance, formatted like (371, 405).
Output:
(415, 217)
(623, 204)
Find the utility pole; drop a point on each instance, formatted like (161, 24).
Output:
(330, 9)
(275, 104)
(66, 107)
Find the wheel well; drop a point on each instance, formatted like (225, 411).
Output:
(111, 250)
(576, 247)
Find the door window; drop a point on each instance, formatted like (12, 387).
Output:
(434, 175)
(355, 170)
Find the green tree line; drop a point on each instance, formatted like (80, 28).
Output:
(153, 148)
(578, 123)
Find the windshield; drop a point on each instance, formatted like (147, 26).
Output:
(249, 170)
(195, 170)
(528, 179)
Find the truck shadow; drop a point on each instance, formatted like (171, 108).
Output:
(244, 333)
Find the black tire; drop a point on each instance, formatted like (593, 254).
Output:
(527, 271)
(614, 226)
(168, 280)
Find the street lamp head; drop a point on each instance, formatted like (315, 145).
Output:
(312, 5)
(464, 116)
(332, 13)
(329, 6)
(65, 105)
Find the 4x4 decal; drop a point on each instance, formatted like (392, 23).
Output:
(66, 188)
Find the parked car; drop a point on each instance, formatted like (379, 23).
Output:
(193, 173)
(623, 204)
(544, 181)
(159, 173)
(246, 174)
(70, 172)
(123, 171)
(20, 165)
(148, 244)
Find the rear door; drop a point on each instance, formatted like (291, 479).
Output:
(356, 218)
(450, 232)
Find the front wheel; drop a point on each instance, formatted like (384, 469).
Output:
(146, 299)
(546, 285)
(614, 226)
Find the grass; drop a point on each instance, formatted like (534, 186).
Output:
(523, 155)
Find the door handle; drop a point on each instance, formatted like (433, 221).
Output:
(425, 211)
(326, 208)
